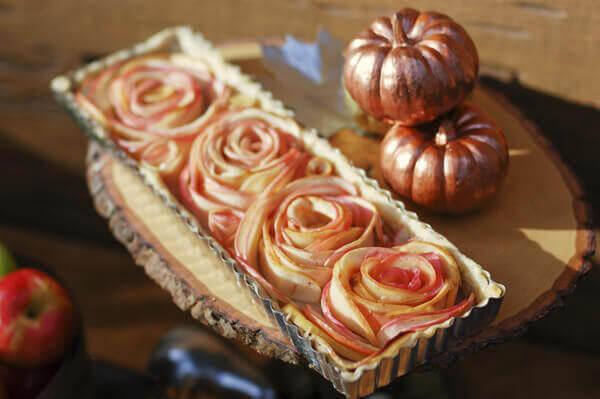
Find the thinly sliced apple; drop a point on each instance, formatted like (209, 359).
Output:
(353, 342)
(408, 323)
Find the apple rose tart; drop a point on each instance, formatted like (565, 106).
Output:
(241, 155)
(346, 273)
(377, 294)
(154, 105)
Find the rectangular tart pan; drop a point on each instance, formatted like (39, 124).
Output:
(353, 381)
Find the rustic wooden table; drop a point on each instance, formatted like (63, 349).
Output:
(46, 216)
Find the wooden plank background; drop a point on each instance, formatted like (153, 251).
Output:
(553, 48)
(544, 55)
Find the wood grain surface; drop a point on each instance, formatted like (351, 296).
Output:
(47, 216)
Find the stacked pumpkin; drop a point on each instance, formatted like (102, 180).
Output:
(407, 77)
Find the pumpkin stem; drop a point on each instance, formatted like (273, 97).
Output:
(446, 133)
(400, 38)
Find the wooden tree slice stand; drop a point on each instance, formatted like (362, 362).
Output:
(535, 237)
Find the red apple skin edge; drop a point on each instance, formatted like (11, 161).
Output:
(37, 319)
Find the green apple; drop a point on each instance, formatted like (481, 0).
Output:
(7, 262)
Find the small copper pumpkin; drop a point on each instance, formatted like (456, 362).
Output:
(410, 68)
(452, 165)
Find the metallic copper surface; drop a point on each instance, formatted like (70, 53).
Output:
(453, 165)
(410, 68)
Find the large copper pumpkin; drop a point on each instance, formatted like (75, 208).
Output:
(410, 68)
(452, 165)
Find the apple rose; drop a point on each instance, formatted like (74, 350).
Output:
(241, 155)
(157, 97)
(293, 238)
(167, 157)
(377, 294)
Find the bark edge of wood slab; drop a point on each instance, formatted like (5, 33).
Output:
(585, 242)
(202, 304)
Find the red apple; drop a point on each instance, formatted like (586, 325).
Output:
(37, 319)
